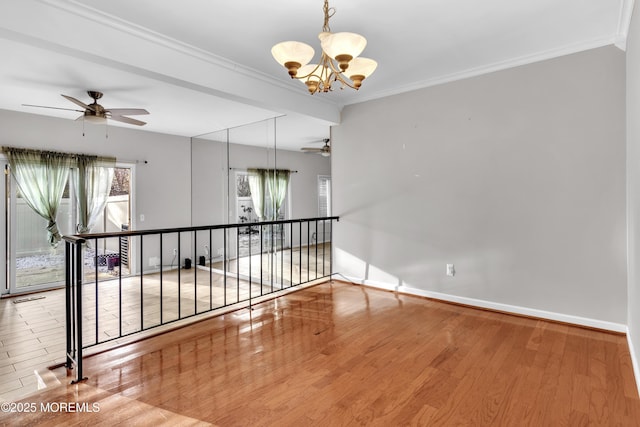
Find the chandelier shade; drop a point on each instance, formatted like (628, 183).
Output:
(339, 62)
(312, 71)
(360, 68)
(313, 75)
(343, 47)
(292, 55)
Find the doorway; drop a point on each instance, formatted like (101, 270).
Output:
(32, 264)
(275, 237)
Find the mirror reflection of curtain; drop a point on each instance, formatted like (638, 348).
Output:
(92, 179)
(275, 182)
(278, 182)
(41, 177)
(256, 185)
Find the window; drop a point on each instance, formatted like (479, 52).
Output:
(249, 237)
(324, 195)
(244, 206)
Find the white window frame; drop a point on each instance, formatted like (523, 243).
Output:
(324, 180)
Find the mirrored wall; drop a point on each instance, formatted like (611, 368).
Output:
(242, 176)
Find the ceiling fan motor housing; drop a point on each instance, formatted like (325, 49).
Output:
(95, 113)
(94, 94)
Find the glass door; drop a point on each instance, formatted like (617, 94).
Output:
(249, 236)
(5, 228)
(34, 265)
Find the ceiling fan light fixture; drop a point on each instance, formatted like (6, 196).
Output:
(95, 119)
(339, 52)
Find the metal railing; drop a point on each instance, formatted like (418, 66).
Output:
(107, 301)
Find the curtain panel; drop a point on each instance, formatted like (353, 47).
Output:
(41, 177)
(92, 179)
(257, 186)
(278, 182)
(271, 182)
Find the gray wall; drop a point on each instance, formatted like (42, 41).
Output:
(176, 168)
(166, 174)
(161, 186)
(516, 177)
(633, 187)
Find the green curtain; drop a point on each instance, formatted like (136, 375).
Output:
(273, 181)
(41, 177)
(92, 180)
(257, 187)
(277, 182)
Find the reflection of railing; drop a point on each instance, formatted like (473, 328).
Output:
(158, 293)
(124, 247)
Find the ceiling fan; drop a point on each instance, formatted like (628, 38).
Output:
(324, 151)
(96, 113)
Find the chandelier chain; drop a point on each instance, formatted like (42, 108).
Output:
(328, 13)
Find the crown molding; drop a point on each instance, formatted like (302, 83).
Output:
(490, 68)
(624, 22)
(88, 13)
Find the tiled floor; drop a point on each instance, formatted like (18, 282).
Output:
(32, 338)
(32, 329)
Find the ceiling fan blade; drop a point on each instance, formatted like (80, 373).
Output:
(126, 111)
(52, 108)
(80, 103)
(311, 150)
(318, 141)
(129, 120)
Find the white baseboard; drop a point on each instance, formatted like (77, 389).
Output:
(507, 308)
(634, 361)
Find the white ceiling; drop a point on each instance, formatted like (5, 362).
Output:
(201, 66)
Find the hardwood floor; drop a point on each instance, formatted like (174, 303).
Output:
(32, 332)
(339, 354)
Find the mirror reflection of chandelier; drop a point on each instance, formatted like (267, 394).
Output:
(339, 62)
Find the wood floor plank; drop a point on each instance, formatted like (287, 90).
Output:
(338, 354)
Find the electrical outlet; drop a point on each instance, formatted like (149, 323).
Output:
(451, 270)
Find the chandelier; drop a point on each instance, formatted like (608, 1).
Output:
(339, 61)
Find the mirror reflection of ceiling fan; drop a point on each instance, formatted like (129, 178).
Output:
(324, 151)
(96, 113)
